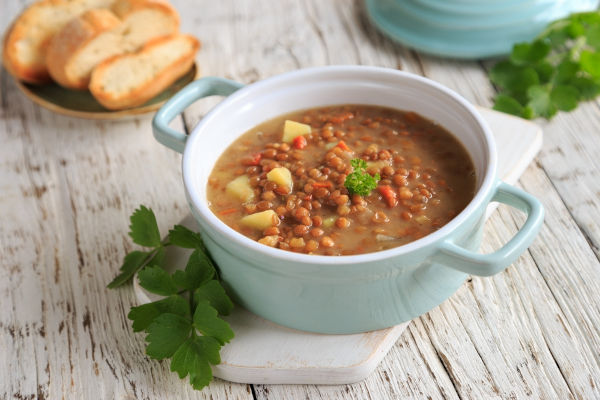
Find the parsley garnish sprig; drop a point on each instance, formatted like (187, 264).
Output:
(359, 181)
(185, 325)
(556, 71)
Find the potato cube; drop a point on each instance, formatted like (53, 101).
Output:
(271, 240)
(379, 164)
(292, 129)
(240, 188)
(281, 176)
(261, 220)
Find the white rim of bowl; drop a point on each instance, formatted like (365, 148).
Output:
(239, 239)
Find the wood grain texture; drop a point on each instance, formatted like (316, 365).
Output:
(67, 187)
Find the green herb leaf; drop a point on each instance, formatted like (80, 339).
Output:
(183, 237)
(540, 101)
(508, 105)
(593, 36)
(588, 88)
(171, 329)
(545, 71)
(142, 316)
(529, 53)
(575, 29)
(198, 270)
(566, 71)
(132, 262)
(207, 322)
(565, 98)
(553, 72)
(158, 281)
(143, 228)
(193, 358)
(514, 78)
(180, 279)
(165, 334)
(359, 181)
(590, 63)
(213, 292)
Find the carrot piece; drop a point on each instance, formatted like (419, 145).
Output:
(299, 142)
(338, 119)
(389, 195)
(342, 145)
(254, 159)
(228, 211)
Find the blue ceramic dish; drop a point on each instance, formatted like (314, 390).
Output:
(343, 294)
(468, 28)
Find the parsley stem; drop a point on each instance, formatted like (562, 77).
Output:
(192, 305)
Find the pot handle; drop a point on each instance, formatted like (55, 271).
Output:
(473, 263)
(196, 90)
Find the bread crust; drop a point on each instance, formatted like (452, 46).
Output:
(34, 71)
(123, 8)
(67, 43)
(152, 87)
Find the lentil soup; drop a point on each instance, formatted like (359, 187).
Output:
(284, 182)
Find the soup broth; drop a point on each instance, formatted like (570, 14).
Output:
(285, 182)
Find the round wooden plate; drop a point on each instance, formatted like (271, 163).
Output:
(82, 104)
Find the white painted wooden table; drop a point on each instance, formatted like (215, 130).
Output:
(67, 187)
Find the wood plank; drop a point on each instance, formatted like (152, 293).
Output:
(570, 158)
(67, 187)
(570, 269)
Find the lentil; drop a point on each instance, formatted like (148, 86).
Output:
(427, 178)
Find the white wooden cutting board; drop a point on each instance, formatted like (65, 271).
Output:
(263, 352)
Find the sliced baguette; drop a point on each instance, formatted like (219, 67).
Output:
(67, 45)
(25, 43)
(132, 79)
(97, 35)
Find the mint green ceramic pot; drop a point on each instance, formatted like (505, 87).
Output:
(343, 294)
(469, 28)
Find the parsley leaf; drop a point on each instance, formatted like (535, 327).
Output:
(166, 333)
(214, 293)
(158, 281)
(142, 316)
(527, 53)
(186, 325)
(132, 262)
(207, 322)
(539, 101)
(199, 269)
(193, 358)
(143, 228)
(143, 231)
(183, 237)
(556, 71)
(359, 181)
(564, 97)
(508, 105)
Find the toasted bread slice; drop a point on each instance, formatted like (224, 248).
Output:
(26, 41)
(97, 35)
(132, 79)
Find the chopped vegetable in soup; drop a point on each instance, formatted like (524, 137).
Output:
(342, 180)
